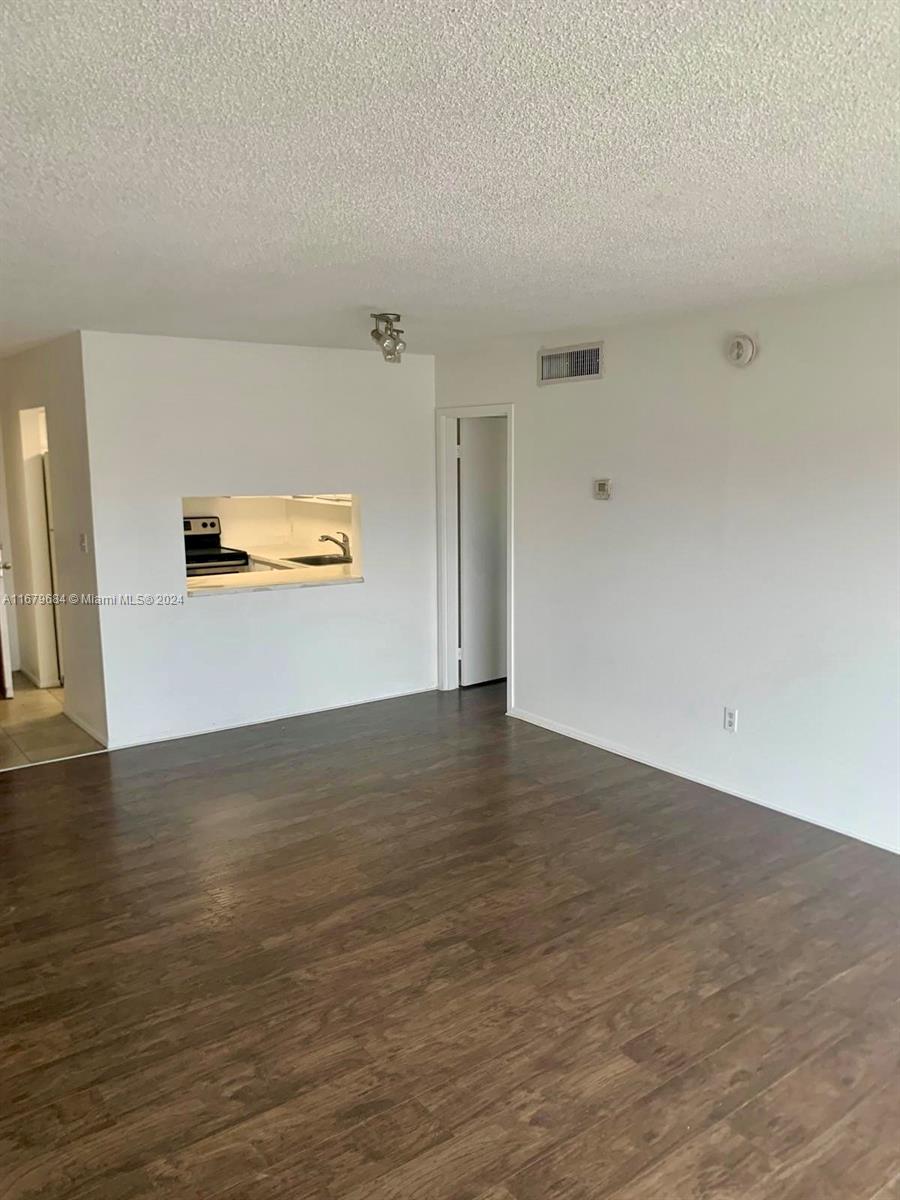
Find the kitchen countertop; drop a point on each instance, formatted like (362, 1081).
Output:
(292, 575)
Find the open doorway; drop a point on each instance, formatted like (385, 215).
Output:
(475, 546)
(33, 724)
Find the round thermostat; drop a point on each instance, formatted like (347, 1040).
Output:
(741, 350)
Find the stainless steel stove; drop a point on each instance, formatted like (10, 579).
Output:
(204, 552)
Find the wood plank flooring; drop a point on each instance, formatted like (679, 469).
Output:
(416, 950)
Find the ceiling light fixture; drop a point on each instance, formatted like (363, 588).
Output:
(388, 336)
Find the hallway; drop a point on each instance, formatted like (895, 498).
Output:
(34, 728)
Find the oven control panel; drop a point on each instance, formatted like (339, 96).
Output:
(205, 525)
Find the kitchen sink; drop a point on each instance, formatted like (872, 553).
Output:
(320, 560)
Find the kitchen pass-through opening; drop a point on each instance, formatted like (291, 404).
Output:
(265, 541)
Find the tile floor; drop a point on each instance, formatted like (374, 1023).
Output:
(34, 728)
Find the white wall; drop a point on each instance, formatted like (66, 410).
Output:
(748, 557)
(172, 417)
(49, 376)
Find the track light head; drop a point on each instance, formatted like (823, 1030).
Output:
(387, 335)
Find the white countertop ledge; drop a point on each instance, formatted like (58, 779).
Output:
(269, 581)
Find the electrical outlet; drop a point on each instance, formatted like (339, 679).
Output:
(730, 721)
(602, 489)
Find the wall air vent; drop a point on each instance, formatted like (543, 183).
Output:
(565, 364)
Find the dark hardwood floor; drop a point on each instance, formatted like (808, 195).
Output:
(419, 951)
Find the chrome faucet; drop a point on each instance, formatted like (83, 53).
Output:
(341, 540)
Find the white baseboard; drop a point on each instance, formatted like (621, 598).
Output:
(75, 720)
(33, 679)
(305, 712)
(85, 726)
(579, 735)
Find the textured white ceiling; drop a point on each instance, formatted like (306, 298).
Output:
(275, 169)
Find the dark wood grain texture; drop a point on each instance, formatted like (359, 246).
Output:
(416, 950)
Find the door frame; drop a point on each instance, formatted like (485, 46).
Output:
(448, 541)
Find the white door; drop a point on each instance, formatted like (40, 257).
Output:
(6, 679)
(482, 549)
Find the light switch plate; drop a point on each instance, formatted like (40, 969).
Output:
(602, 489)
